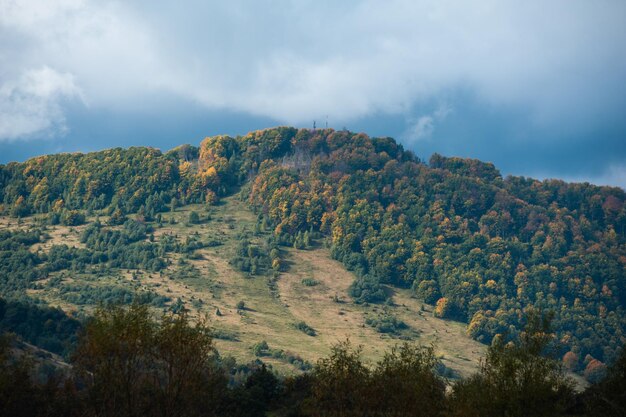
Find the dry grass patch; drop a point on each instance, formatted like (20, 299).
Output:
(313, 291)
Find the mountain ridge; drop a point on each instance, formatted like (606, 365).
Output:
(483, 249)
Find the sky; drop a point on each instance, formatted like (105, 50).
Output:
(536, 87)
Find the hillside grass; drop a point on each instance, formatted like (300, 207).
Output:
(208, 283)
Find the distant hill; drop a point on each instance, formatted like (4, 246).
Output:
(480, 248)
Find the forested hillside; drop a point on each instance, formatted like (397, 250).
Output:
(128, 364)
(481, 248)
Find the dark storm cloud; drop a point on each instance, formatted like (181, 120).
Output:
(544, 79)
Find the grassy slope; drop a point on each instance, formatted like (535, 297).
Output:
(268, 316)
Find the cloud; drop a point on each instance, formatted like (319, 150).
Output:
(424, 126)
(557, 66)
(32, 105)
(614, 175)
(293, 61)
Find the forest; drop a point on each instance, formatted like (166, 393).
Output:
(128, 364)
(482, 249)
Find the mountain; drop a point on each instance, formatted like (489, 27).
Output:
(183, 229)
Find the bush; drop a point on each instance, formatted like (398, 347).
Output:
(260, 349)
(386, 322)
(367, 289)
(309, 282)
(72, 218)
(194, 218)
(305, 328)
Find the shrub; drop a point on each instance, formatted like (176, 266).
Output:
(194, 218)
(72, 218)
(386, 322)
(367, 289)
(309, 282)
(305, 328)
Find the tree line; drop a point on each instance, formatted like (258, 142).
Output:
(128, 364)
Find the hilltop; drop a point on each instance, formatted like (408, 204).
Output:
(299, 238)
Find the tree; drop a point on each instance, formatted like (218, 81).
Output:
(26, 391)
(340, 383)
(194, 218)
(608, 396)
(20, 208)
(16, 389)
(444, 308)
(72, 218)
(570, 361)
(134, 366)
(405, 383)
(263, 387)
(520, 378)
(428, 291)
(117, 217)
(186, 377)
(595, 371)
(113, 359)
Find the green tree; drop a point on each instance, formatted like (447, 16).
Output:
(16, 389)
(521, 378)
(186, 377)
(340, 384)
(117, 217)
(134, 366)
(113, 356)
(405, 383)
(72, 218)
(194, 218)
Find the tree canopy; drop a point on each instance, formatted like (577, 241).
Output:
(480, 247)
